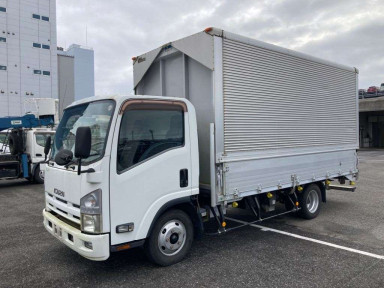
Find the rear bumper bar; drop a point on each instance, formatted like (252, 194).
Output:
(76, 240)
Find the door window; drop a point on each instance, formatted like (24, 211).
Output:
(41, 138)
(147, 131)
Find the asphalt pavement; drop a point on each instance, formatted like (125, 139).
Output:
(342, 247)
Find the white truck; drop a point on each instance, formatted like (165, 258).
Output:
(23, 140)
(28, 161)
(218, 133)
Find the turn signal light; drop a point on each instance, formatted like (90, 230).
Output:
(297, 204)
(123, 247)
(224, 224)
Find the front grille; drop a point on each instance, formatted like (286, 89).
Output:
(65, 220)
(61, 200)
(66, 209)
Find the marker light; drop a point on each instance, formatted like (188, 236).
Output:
(299, 188)
(209, 29)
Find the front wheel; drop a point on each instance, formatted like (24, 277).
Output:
(170, 239)
(38, 176)
(310, 202)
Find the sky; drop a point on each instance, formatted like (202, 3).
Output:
(349, 32)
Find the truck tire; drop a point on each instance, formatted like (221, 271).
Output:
(170, 239)
(38, 175)
(15, 144)
(310, 202)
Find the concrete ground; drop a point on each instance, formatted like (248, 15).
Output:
(247, 257)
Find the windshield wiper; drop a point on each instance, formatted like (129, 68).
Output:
(75, 161)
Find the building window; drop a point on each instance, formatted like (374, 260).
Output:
(46, 73)
(37, 72)
(44, 18)
(36, 16)
(2, 39)
(3, 67)
(46, 46)
(3, 9)
(37, 45)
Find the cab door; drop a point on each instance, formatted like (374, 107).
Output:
(150, 164)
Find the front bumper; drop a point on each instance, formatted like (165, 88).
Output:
(75, 239)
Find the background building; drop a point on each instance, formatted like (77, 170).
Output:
(372, 122)
(66, 83)
(76, 74)
(28, 53)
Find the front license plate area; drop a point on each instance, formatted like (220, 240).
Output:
(57, 230)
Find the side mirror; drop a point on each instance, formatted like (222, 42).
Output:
(82, 145)
(47, 146)
(83, 142)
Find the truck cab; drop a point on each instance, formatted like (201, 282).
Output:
(22, 153)
(142, 161)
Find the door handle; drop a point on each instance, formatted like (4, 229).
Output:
(183, 178)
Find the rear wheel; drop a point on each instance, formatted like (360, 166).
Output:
(38, 176)
(170, 239)
(310, 202)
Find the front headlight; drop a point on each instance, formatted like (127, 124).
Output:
(91, 223)
(90, 209)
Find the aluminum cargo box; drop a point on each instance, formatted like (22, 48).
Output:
(279, 117)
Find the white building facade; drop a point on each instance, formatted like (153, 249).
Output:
(28, 53)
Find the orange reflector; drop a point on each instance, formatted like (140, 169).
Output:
(134, 58)
(224, 224)
(297, 204)
(123, 247)
(209, 29)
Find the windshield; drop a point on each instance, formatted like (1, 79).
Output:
(96, 115)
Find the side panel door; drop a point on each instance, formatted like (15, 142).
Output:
(151, 146)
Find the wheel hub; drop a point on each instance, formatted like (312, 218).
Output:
(312, 201)
(174, 238)
(171, 237)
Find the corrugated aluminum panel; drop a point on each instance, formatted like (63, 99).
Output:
(273, 100)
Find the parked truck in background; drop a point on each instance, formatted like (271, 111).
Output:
(372, 91)
(23, 140)
(381, 90)
(147, 171)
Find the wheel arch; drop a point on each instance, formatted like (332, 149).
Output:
(185, 204)
(34, 167)
(322, 188)
(323, 191)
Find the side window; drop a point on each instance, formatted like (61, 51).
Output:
(41, 138)
(146, 131)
